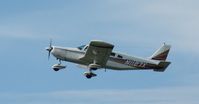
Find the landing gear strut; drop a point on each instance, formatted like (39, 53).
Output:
(92, 66)
(57, 67)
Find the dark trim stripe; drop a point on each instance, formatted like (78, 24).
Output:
(161, 56)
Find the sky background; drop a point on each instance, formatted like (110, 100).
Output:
(135, 27)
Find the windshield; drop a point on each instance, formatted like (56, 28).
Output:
(81, 47)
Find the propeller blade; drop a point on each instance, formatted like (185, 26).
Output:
(50, 43)
(49, 49)
(48, 55)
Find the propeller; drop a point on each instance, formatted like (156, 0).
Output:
(49, 49)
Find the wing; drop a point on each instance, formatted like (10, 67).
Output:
(98, 53)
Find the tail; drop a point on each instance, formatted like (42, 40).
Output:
(161, 55)
(161, 67)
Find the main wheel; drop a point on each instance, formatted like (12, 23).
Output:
(89, 76)
(94, 69)
(55, 69)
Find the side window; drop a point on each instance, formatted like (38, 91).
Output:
(119, 56)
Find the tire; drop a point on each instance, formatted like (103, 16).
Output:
(55, 69)
(88, 76)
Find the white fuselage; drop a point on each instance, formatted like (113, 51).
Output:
(116, 62)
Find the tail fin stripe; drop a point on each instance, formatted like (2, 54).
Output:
(161, 53)
(161, 56)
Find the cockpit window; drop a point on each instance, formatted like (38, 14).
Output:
(81, 47)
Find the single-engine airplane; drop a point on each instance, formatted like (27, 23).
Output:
(99, 55)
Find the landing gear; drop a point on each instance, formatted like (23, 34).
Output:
(57, 67)
(89, 75)
(92, 67)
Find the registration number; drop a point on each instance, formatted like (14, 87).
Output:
(135, 63)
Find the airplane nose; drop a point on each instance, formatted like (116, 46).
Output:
(49, 49)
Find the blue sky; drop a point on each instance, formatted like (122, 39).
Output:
(134, 27)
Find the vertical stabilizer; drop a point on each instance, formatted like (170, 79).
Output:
(161, 53)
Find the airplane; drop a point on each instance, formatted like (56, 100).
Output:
(100, 55)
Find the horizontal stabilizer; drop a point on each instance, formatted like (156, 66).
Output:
(162, 66)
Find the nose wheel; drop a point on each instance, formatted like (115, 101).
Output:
(57, 67)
